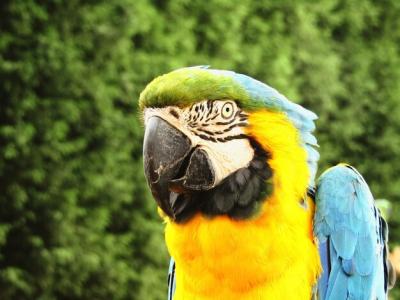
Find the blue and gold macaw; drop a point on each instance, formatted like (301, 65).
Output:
(231, 163)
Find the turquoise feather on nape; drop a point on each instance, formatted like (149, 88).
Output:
(351, 237)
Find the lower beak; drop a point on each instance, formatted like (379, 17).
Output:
(173, 167)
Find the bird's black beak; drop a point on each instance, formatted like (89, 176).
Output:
(173, 167)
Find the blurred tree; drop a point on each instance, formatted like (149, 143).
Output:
(76, 220)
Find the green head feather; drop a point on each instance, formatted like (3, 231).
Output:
(186, 86)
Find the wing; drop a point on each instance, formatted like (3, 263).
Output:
(171, 279)
(352, 237)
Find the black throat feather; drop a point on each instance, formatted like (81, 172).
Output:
(239, 195)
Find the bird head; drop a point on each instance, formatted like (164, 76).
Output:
(221, 143)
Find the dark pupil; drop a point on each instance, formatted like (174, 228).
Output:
(227, 109)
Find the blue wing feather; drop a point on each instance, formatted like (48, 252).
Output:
(347, 225)
(171, 279)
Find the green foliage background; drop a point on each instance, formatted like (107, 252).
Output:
(76, 218)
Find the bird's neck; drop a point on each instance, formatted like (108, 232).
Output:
(220, 258)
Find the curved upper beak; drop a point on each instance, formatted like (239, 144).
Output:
(173, 166)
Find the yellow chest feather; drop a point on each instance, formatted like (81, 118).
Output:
(267, 258)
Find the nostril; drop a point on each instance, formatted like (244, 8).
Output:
(174, 113)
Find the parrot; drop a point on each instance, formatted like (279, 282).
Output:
(232, 164)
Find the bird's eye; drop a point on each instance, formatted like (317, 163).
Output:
(227, 110)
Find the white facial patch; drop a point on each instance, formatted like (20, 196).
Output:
(217, 127)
